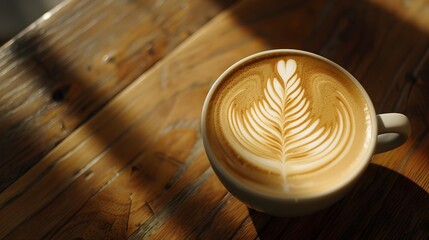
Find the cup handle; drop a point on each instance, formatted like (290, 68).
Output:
(393, 130)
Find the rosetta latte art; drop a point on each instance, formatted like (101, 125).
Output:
(279, 132)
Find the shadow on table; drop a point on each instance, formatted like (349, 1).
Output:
(75, 207)
(383, 205)
(347, 40)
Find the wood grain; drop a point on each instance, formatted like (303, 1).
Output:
(64, 68)
(137, 168)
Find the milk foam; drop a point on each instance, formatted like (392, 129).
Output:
(286, 127)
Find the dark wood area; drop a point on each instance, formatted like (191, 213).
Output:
(100, 105)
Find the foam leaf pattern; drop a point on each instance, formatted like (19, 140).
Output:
(280, 128)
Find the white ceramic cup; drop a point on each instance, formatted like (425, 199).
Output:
(389, 131)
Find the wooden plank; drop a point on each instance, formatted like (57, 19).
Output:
(148, 142)
(124, 162)
(60, 71)
(224, 220)
(253, 224)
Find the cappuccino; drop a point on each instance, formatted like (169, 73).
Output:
(289, 125)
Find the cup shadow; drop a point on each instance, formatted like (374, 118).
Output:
(383, 205)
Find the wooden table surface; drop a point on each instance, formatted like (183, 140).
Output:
(100, 106)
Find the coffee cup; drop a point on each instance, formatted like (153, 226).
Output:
(289, 132)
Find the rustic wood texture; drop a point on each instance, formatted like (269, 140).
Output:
(89, 151)
(69, 64)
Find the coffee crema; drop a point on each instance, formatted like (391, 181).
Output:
(289, 124)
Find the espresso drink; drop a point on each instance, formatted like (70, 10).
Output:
(289, 124)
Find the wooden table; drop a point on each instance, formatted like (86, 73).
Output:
(100, 106)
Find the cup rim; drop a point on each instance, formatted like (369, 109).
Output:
(237, 183)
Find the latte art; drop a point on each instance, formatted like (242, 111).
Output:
(278, 133)
(288, 124)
